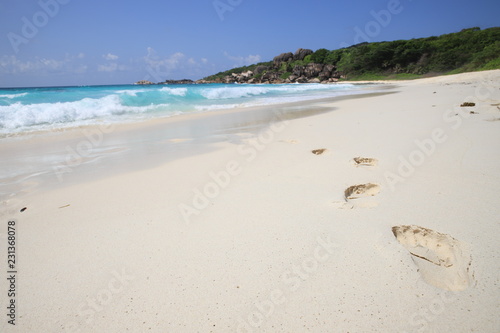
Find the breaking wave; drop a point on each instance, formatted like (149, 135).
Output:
(48, 108)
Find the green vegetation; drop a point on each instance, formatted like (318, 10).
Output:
(239, 70)
(468, 50)
(285, 75)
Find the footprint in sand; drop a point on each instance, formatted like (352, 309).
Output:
(362, 190)
(319, 151)
(365, 161)
(361, 194)
(442, 261)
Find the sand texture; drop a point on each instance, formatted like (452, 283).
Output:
(378, 213)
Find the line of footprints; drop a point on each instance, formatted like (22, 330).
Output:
(442, 260)
(360, 190)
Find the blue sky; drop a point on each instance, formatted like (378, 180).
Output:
(75, 42)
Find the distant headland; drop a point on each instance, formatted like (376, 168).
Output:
(469, 50)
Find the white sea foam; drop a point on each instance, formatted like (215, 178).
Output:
(175, 91)
(11, 96)
(130, 92)
(233, 92)
(20, 116)
(67, 109)
(247, 90)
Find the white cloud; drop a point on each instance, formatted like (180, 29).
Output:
(243, 61)
(13, 65)
(175, 66)
(110, 56)
(161, 68)
(111, 67)
(170, 63)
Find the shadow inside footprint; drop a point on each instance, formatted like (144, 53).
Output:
(442, 260)
(362, 190)
(318, 151)
(367, 161)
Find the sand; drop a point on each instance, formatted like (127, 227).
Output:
(246, 229)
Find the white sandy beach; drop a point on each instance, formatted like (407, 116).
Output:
(251, 232)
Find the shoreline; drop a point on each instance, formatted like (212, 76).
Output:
(123, 122)
(255, 232)
(200, 127)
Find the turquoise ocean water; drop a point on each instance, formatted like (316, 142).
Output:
(35, 109)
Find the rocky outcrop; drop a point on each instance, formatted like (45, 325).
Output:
(312, 70)
(260, 69)
(284, 57)
(272, 77)
(298, 70)
(300, 54)
(243, 77)
(327, 72)
(183, 81)
(302, 79)
(311, 73)
(144, 82)
(285, 68)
